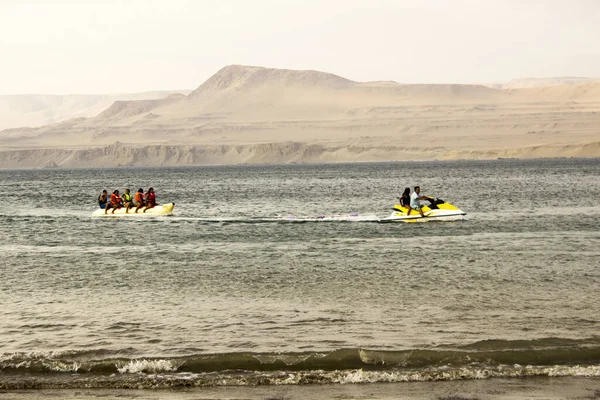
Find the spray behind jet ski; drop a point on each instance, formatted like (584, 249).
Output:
(436, 210)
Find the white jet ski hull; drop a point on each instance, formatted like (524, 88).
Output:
(437, 210)
(438, 215)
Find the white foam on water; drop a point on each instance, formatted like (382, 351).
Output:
(148, 366)
(284, 218)
(579, 371)
(176, 218)
(354, 217)
(32, 355)
(360, 376)
(36, 358)
(22, 364)
(439, 374)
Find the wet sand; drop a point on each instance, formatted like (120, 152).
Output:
(530, 388)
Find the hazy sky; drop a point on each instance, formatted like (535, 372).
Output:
(111, 46)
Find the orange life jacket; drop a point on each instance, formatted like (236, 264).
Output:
(115, 199)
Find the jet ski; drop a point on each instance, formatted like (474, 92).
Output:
(437, 209)
(160, 209)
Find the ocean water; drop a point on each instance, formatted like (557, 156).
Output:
(231, 291)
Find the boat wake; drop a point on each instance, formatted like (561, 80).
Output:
(342, 218)
(353, 217)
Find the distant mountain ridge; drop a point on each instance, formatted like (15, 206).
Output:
(242, 113)
(32, 110)
(528, 83)
(241, 77)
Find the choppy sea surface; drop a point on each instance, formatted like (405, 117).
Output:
(230, 290)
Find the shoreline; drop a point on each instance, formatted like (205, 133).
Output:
(117, 156)
(493, 389)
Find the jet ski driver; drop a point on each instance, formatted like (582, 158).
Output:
(415, 204)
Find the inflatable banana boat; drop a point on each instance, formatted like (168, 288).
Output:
(161, 209)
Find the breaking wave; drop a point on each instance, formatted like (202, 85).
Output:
(487, 359)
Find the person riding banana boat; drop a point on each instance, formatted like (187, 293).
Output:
(138, 200)
(120, 206)
(127, 200)
(115, 202)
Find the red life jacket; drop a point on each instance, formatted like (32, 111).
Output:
(151, 198)
(115, 199)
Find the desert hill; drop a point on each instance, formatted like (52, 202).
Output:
(254, 114)
(33, 110)
(528, 83)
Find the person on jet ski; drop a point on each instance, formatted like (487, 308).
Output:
(415, 204)
(405, 199)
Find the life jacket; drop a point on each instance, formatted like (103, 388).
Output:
(151, 198)
(114, 199)
(139, 197)
(101, 201)
(126, 198)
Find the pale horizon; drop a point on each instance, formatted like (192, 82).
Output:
(137, 46)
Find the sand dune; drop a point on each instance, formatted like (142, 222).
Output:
(259, 115)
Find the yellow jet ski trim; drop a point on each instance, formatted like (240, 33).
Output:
(437, 208)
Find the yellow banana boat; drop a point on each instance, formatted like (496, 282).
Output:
(161, 209)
